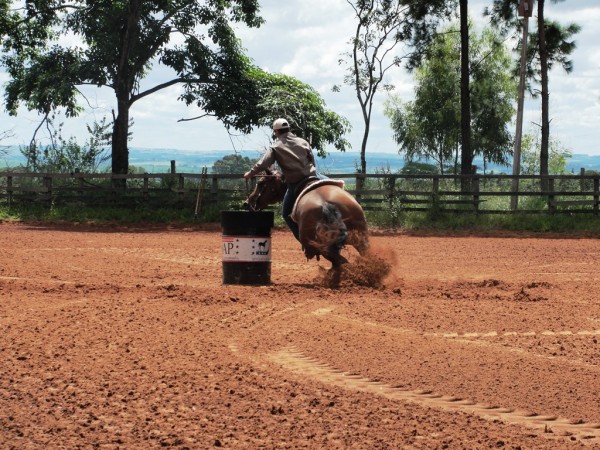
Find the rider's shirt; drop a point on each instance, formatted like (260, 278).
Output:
(292, 154)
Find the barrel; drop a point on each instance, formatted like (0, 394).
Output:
(246, 247)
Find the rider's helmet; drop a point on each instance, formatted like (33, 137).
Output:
(280, 124)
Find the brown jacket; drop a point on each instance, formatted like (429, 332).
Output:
(292, 154)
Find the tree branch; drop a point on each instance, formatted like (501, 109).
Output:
(135, 98)
(195, 118)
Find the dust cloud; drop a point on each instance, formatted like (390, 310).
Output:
(370, 270)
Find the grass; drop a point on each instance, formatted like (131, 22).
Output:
(447, 222)
(390, 219)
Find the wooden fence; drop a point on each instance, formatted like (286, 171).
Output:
(479, 194)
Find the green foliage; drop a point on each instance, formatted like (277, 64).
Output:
(121, 41)
(305, 110)
(5, 135)
(560, 44)
(429, 126)
(382, 27)
(558, 156)
(395, 218)
(234, 164)
(418, 168)
(67, 155)
(470, 223)
(559, 40)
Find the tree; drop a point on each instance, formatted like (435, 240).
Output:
(466, 160)
(284, 96)
(305, 110)
(5, 135)
(234, 163)
(551, 44)
(67, 155)
(430, 126)
(120, 41)
(418, 168)
(558, 156)
(382, 26)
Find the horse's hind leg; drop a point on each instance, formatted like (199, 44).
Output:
(335, 275)
(360, 241)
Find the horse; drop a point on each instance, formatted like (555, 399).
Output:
(328, 217)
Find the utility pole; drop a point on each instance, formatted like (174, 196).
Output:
(525, 11)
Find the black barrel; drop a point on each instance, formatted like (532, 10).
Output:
(246, 247)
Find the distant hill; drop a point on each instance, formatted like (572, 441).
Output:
(159, 161)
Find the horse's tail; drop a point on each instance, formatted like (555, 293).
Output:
(331, 233)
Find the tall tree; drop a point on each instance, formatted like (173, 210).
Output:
(120, 42)
(388, 33)
(305, 110)
(553, 43)
(430, 126)
(466, 161)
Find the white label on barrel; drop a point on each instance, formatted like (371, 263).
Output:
(246, 249)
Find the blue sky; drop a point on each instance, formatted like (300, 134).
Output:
(304, 39)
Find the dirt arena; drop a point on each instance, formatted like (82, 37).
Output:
(114, 337)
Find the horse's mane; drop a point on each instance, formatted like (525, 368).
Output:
(274, 173)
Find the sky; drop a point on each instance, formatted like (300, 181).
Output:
(305, 39)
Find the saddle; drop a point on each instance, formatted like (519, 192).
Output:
(308, 185)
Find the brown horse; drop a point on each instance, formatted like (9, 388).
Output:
(328, 218)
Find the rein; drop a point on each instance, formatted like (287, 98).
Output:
(262, 190)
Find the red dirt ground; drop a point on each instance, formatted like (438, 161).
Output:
(127, 338)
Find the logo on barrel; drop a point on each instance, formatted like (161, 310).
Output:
(246, 249)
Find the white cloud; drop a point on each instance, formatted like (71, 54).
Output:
(305, 39)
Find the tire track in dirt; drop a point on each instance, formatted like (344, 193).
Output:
(516, 334)
(472, 337)
(553, 427)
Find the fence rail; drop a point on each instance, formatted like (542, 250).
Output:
(479, 194)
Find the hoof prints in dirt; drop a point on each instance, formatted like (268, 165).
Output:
(553, 427)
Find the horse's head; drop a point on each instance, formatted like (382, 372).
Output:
(269, 189)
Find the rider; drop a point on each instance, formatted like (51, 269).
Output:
(297, 162)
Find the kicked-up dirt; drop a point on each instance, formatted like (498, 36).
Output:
(115, 337)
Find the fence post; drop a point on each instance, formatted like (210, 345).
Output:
(79, 183)
(9, 189)
(48, 186)
(173, 170)
(145, 188)
(180, 187)
(392, 186)
(214, 189)
(582, 181)
(551, 204)
(596, 193)
(115, 185)
(435, 193)
(475, 187)
(360, 181)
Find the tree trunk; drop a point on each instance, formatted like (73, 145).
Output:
(363, 149)
(360, 182)
(465, 97)
(120, 152)
(543, 50)
(124, 83)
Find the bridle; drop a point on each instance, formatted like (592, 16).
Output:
(261, 190)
